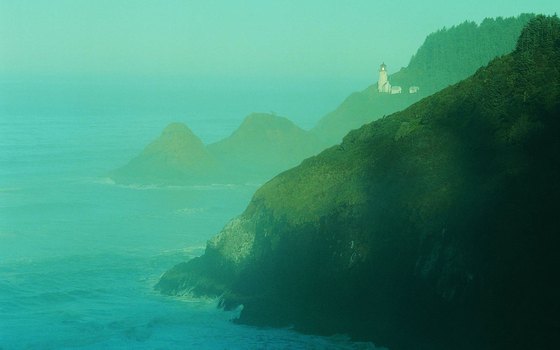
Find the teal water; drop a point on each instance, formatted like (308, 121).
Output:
(79, 255)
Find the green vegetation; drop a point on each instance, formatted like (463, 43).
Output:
(260, 148)
(450, 55)
(177, 156)
(264, 145)
(358, 109)
(433, 228)
(446, 57)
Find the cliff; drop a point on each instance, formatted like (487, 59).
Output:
(433, 228)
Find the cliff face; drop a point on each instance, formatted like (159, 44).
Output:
(433, 228)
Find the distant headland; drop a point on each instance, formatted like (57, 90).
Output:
(273, 144)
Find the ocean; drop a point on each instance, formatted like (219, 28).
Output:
(79, 254)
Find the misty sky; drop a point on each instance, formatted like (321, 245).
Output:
(315, 38)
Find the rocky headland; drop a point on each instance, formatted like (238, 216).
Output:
(432, 228)
(176, 156)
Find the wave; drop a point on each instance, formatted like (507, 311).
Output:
(187, 252)
(188, 211)
(138, 186)
(95, 301)
(103, 181)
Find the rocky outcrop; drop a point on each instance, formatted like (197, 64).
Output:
(433, 228)
(263, 146)
(177, 156)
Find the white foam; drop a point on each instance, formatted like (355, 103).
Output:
(155, 186)
(104, 181)
(188, 211)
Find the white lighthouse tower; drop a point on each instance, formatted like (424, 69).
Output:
(383, 84)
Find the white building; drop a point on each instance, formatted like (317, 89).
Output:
(396, 90)
(383, 84)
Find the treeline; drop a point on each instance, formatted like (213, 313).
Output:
(450, 55)
(543, 35)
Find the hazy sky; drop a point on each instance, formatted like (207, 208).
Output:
(315, 38)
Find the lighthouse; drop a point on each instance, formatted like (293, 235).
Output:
(383, 84)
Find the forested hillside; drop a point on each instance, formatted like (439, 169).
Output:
(451, 54)
(433, 228)
(446, 57)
